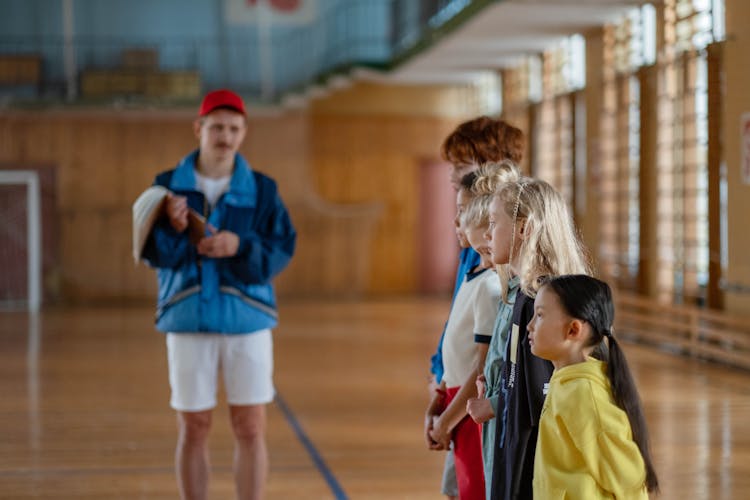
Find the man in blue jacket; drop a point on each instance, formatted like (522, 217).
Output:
(216, 302)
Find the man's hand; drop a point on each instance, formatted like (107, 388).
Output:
(219, 244)
(177, 211)
(480, 410)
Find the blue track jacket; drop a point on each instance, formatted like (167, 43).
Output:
(225, 295)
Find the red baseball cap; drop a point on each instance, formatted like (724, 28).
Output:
(221, 99)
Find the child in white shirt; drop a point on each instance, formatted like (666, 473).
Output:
(467, 337)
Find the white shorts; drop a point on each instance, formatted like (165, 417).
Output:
(246, 363)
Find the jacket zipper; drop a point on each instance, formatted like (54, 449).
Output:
(199, 259)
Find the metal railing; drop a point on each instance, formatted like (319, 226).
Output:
(374, 33)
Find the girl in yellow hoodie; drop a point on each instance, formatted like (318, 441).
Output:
(593, 441)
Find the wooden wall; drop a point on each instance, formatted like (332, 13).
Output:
(348, 173)
(103, 160)
(374, 160)
(737, 78)
(589, 200)
(367, 145)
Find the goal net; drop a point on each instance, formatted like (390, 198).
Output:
(20, 245)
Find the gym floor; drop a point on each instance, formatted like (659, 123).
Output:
(85, 414)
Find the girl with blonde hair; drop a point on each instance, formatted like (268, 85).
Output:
(531, 229)
(483, 408)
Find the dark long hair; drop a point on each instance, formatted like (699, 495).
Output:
(590, 300)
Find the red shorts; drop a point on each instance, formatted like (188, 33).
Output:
(467, 448)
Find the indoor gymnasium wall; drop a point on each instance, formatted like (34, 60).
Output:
(587, 213)
(103, 160)
(737, 103)
(98, 161)
(347, 166)
(368, 144)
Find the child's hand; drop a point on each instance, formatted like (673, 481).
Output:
(433, 385)
(480, 410)
(440, 435)
(431, 443)
(481, 386)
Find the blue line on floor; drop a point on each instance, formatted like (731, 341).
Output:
(336, 489)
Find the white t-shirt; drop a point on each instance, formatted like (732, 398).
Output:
(212, 188)
(472, 320)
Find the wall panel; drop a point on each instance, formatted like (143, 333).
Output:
(357, 236)
(737, 78)
(373, 160)
(103, 160)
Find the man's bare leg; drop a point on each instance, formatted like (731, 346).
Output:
(250, 454)
(191, 455)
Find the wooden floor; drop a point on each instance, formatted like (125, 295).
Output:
(84, 407)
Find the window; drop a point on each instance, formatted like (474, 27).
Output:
(625, 49)
(682, 238)
(563, 72)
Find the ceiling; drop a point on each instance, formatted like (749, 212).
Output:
(501, 34)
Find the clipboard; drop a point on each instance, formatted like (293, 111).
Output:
(149, 207)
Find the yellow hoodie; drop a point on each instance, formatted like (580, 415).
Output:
(585, 448)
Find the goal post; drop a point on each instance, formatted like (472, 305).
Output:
(30, 180)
